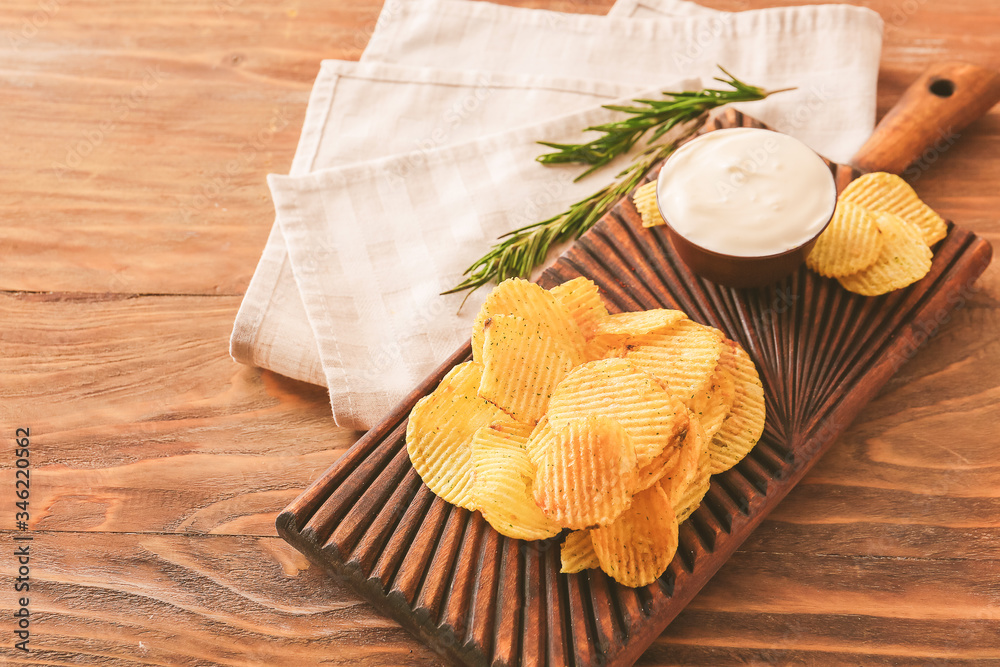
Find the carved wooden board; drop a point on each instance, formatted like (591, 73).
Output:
(483, 599)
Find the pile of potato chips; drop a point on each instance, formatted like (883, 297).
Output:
(570, 418)
(880, 236)
(879, 239)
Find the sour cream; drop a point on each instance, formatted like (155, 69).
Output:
(746, 192)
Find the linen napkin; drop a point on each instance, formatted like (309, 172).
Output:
(830, 53)
(372, 292)
(835, 53)
(361, 111)
(651, 9)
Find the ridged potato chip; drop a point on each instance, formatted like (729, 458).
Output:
(577, 553)
(713, 405)
(685, 498)
(851, 242)
(639, 545)
(522, 366)
(684, 357)
(639, 322)
(653, 472)
(745, 423)
(526, 299)
(582, 300)
(501, 486)
(614, 332)
(586, 475)
(904, 259)
(439, 433)
(691, 469)
(880, 191)
(615, 388)
(644, 199)
(666, 462)
(541, 436)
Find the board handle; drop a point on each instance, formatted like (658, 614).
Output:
(933, 110)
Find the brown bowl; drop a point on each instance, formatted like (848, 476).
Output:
(741, 270)
(737, 271)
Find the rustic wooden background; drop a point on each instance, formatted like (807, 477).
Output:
(136, 138)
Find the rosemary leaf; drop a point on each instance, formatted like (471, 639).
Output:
(518, 252)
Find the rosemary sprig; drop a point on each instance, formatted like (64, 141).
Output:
(519, 251)
(663, 115)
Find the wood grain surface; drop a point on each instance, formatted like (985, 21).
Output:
(137, 137)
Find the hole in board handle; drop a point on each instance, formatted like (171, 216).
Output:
(942, 87)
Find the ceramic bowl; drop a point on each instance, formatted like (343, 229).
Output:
(740, 270)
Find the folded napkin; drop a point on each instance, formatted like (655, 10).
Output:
(372, 292)
(829, 52)
(652, 9)
(415, 176)
(361, 111)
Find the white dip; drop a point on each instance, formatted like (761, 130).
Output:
(746, 192)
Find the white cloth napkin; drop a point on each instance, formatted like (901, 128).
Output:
(373, 291)
(652, 9)
(361, 111)
(346, 291)
(829, 52)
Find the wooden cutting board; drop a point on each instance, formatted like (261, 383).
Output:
(479, 598)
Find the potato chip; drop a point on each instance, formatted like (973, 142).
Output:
(582, 300)
(850, 243)
(880, 191)
(665, 463)
(685, 498)
(653, 472)
(577, 553)
(639, 545)
(541, 436)
(439, 433)
(713, 405)
(615, 388)
(502, 482)
(638, 323)
(613, 332)
(522, 366)
(525, 299)
(903, 260)
(691, 470)
(684, 357)
(586, 476)
(644, 199)
(745, 423)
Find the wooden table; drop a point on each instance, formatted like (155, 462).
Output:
(137, 136)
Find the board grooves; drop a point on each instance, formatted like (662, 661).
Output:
(454, 617)
(329, 515)
(719, 504)
(357, 520)
(564, 621)
(605, 624)
(533, 625)
(703, 539)
(430, 602)
(481, 599)
(388, 563)
(509, 608)
(384, 525)
(484, 595)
